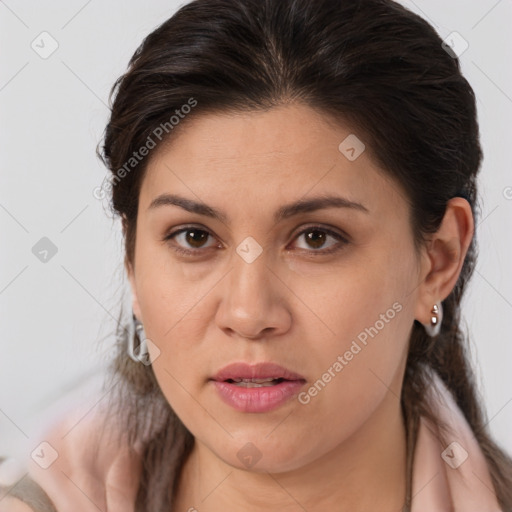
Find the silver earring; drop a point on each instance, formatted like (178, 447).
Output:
(434, 328)
(140, 353)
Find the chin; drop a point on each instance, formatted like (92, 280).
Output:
(262, 456)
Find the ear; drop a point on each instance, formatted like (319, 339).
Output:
(444, 256)
(130, 272)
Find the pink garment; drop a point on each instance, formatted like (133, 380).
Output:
(449, 478)
(444, 480)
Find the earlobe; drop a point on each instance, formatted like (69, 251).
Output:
(436, 319)
(446, 252)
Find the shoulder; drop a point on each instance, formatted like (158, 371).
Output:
(25, 496)
(11, 504)
(18, 492)
(80, 462)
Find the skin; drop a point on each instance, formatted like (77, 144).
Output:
(15, 505)
(345, 449)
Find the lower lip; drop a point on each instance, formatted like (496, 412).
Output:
(262, 399)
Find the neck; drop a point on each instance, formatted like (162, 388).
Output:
(366, 469)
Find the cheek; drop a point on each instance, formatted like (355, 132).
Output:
(365, 300)
(170, 295)
(371, 311)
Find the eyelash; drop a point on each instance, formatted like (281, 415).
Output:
(193, 252)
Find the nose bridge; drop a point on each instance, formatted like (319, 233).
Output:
(250, 285)
(252, 301)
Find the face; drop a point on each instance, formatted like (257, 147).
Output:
(327, 293)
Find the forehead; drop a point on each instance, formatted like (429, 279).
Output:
(263, 157)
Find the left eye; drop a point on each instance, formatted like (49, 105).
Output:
(316, 238)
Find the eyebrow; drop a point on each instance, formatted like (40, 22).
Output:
(284, 212)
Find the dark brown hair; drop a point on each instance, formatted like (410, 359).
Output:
(369, 63)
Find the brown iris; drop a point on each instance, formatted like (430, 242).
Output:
(317, 237)
(197, 238)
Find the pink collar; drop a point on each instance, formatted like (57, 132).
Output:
(453, 476)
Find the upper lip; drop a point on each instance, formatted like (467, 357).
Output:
(264, 370)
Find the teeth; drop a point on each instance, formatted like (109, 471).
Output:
(257, 381)
(247, 383)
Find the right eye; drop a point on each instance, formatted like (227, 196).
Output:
(192, 236)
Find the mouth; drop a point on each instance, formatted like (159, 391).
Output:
(256, 388)
(254, 383)
(265, 373)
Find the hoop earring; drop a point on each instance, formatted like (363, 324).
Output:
(434, 328)
(140, 353)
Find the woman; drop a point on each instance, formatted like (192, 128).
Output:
(297, 187)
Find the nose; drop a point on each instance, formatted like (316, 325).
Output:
(254, 302)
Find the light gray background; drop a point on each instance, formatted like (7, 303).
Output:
(57, 317)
